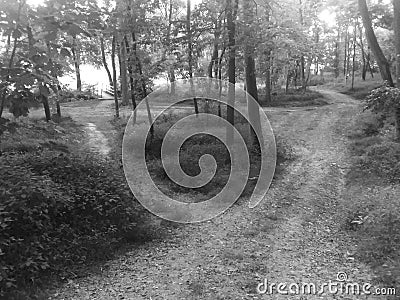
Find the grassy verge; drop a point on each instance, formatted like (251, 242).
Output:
(361, 88)
(295, 98)
(374, 191)
(60, 207)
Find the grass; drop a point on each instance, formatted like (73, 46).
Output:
(373, 190)
(361, 88)
(296, 98)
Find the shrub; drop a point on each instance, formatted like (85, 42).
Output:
(54, 210)
(384, 159)
(383, 99)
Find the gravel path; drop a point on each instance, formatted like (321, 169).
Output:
(293, 236)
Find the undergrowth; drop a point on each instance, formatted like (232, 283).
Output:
(198, 145)
(296, 98)
(58, 206)
(373, 187)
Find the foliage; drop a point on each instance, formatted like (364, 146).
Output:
(56, 208)
(383, 99)
(373, 147)
(71, 95)
(296, 98)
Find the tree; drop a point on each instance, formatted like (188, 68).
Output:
(384, 66)
(250, 66)
(190, 50)
(231, 12)
(396, 26)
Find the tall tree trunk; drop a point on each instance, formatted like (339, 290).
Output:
(353, 68)
(383, 64)
(103, 58)
(221, 57)
(337, 55)
(287, 81)
(346, 36)
(77, 63)
(302, 59)
(52, 72)
(368, 57)
(143, 83)
(123, 72)
(396, 26)
(11, 61)
(364, 66)
(171, 71)
(190, 50)
(132, 83)
(114, 71)
(230, 111)
(250, 69)
(268, 98)
(214, 56)
(267, 57)
(46, 107)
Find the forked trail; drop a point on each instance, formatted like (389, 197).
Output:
(292, 236)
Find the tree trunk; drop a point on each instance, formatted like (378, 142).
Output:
(346, 36)
(214, 56)
(383, 64)
(143, 82)
(348, 57)
(123, 72)
(114, 71)
(190, 50)
(11, 61)
(287, 80)
(353, 68)
(132, 84)
(251, 79)
(171, 72)
(337, 55)
(364, 66)
(103, 58)
(46, 107)
(368, 57)
(230, 111)
(268, 98)
(77, 63)
(220, 78)
(396, 26)
(52, 72)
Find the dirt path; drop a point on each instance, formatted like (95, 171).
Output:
(293, 236)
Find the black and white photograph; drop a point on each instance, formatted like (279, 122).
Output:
(199, 149)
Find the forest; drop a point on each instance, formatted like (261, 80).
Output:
(319, 81)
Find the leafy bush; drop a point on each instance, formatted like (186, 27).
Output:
(56, 210)
(383, 159)
(367, 124)
(383, 99)
(68, 95)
